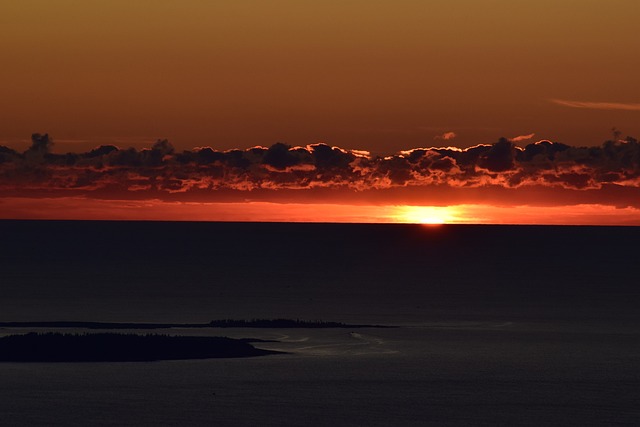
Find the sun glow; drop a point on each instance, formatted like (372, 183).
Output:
(73, 208)
(432, 215)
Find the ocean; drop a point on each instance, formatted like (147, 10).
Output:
(493, 325)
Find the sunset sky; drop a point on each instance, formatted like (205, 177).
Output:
(386, 111)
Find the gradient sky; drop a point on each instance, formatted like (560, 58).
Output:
(379, 76)
(376, 75)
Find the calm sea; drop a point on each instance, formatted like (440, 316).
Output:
(498, 325)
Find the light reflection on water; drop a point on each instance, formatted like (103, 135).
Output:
(507, 374)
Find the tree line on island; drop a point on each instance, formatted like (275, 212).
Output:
(120, 347)
(116, 347)
(222, 323)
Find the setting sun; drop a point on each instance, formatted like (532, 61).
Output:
(427, 214)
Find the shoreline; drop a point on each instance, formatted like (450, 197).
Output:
(224, 323)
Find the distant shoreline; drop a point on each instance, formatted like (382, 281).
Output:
(223, 323)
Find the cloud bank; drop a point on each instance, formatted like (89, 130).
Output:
(543, 172)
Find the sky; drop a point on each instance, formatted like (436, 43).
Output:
(495, 111)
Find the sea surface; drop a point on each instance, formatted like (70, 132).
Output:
(494, 325)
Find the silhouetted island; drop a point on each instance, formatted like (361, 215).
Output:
(114, 347)
(224, 323)
(284, 323)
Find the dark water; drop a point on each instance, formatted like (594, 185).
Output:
(510, 325)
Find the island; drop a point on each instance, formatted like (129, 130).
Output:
(117, 347)
(285, 324)
(223, 323)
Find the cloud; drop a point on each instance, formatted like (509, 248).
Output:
(446, 136)
(320, 172)
(522, 137)
(40, 143)
(598, 105)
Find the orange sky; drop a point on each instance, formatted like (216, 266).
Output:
(382, 76)
(156, 210)
(378, 75)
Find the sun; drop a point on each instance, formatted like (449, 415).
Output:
(429, 215)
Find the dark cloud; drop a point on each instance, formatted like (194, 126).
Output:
(278, 156)
(100, 151)
(499, 157)
(8, 155)
(208, 174)
(40, 143)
